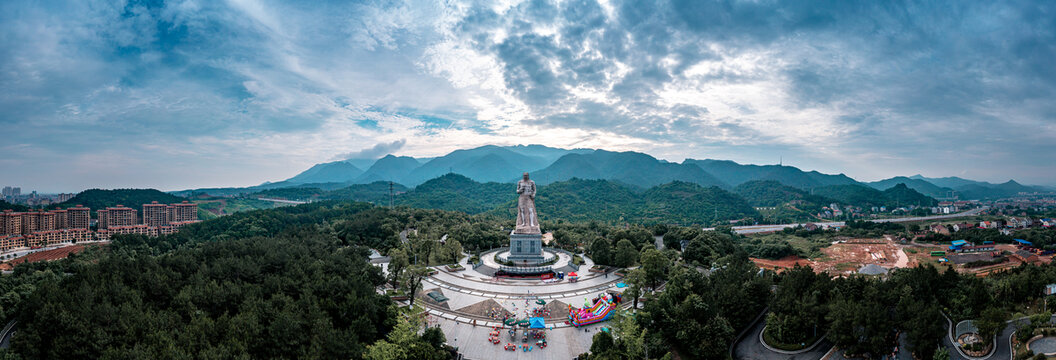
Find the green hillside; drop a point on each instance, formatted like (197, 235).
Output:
(902, 195)
(458, 193)
(337, 171)
(734, 174)
(920, 185)
(899, 195)
(4, 205)
(773, 193)
(134, 198)
(688, 203)
(629, 167)
(578, 200)
(852, 194)
(376, 192)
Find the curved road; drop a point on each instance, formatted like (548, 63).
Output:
(6, 333)
(752, 229)
(749, 346)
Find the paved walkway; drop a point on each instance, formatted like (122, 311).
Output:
(562, 343)
(469, 287)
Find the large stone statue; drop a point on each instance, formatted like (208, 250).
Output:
(527, 221)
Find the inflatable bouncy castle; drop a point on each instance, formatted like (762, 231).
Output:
(600, 309)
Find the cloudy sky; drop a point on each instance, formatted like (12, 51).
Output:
(192, 93)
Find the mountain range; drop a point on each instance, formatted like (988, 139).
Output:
(570, 200)
(504, 164)
(955, 187)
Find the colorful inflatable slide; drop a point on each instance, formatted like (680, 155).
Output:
(603, 308)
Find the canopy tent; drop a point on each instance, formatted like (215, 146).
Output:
(536, 323)
(510, 322)
(540, 302)
(621, 285)
(573, 274)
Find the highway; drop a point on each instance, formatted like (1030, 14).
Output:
(754, 229)
(284, 201)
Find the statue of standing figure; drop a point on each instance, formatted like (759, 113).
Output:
(527, 222)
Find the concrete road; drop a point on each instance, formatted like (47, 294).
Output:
(754, 229)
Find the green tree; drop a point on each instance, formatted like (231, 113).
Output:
(452, 251)
(626, 254)
(398, 262)
(636, 280)
(942, 354)
(603, 346)
(601, 251)
(798, 306)
(413, 280)
(630, 338)
(990, 322)
(403, 343)
(654, 266)
(923, 323)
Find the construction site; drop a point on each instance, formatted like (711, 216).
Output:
(848, 256)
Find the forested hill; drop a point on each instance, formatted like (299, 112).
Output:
(572, 200)
(458, 193)
(902, 195)
(773, 193)
(676, 202)
(688, 203)
(134, 198)
(899, 195)
(575, 199)
(257, 285)
(920, 185)
(4, 205)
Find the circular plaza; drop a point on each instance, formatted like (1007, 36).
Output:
(478, 306)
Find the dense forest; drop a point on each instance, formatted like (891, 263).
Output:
(284, 283)
(4, 205)
(807, 305)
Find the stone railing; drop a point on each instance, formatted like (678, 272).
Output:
(522, 269)
(503, 260)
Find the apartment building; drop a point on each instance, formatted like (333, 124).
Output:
(185, 211)
(78, 217)
(117, 216)
(155, 214)
(10, 223)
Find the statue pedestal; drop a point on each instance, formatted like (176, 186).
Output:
(526, 249)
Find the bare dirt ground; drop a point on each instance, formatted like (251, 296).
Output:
(852, 254)
(849, 255)
(781, 264)
(49, 255)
